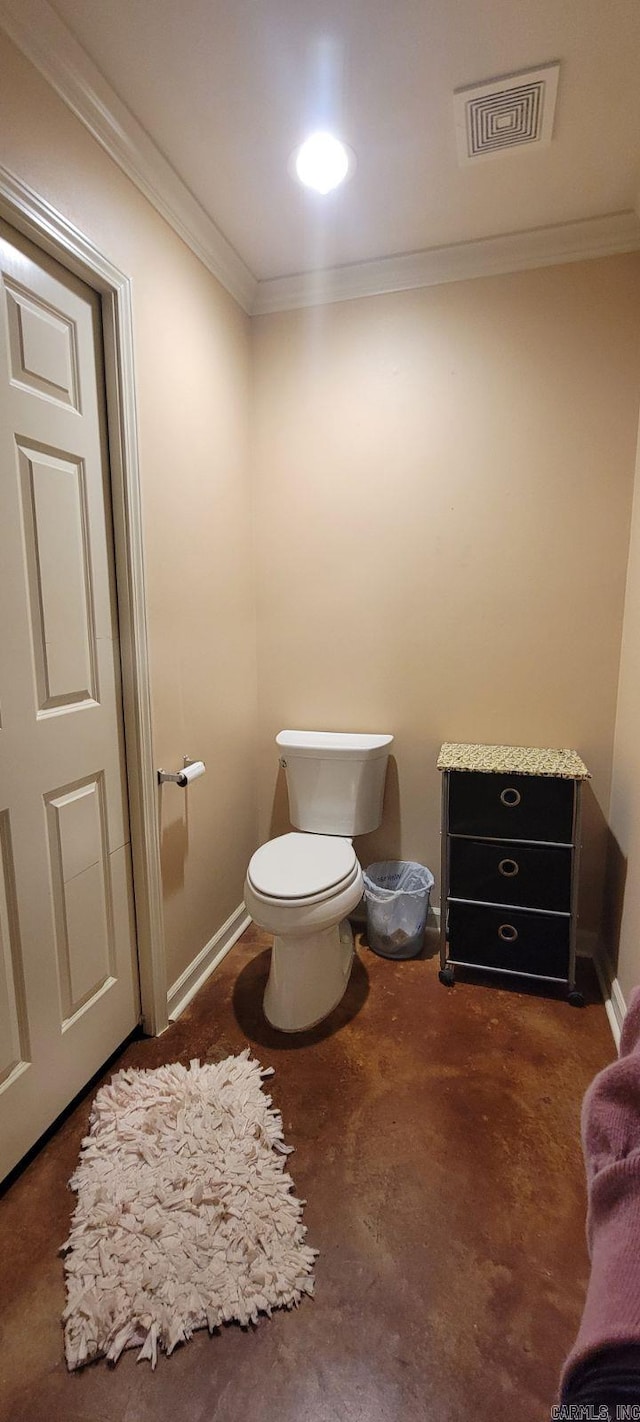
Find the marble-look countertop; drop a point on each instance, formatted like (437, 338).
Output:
(513, 760)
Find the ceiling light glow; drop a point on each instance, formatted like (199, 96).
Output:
(322, 162)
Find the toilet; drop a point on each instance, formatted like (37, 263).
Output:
(302, 886)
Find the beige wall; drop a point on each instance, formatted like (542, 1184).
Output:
(192, 371)
(622, 942)
(443, 491)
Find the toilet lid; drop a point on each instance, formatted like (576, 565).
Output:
(295, 866)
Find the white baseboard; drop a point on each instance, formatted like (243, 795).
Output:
(432, 930)
(192, 979)
(615, 1005)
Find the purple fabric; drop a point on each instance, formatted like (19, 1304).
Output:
(611, 1144)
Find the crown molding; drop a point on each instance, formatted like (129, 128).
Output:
(490, 256)
(48, 43)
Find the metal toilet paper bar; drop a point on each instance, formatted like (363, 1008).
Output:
(193, 769)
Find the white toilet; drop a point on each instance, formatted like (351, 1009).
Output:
(301, 887)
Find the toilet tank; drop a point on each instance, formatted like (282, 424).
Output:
(335, 781)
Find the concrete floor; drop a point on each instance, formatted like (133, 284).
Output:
(436, 1140)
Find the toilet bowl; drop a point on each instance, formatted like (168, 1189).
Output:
(301, 887)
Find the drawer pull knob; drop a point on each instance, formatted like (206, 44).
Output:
(507, 933)
(508, 868)
(510, 796)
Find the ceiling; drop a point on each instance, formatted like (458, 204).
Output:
(227, 90)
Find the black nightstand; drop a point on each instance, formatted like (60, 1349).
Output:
(510, 852)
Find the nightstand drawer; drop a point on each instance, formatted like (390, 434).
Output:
(530, 807)
(508, 873)
(514, 941)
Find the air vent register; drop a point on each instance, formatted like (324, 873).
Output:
(495, 117)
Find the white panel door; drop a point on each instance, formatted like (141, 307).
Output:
(68, 971)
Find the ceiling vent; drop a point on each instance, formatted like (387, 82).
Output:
(506, 113)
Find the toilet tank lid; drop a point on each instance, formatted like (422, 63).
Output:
(327, 744)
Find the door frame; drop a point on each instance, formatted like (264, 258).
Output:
(36, 219)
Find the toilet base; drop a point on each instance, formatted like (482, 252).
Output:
(308, 977)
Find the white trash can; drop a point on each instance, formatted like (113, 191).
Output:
(397, 897)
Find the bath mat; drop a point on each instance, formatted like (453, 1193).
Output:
(185, 1217)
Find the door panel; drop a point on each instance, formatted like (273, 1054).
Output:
(42, 344)
(68, 972)
(81, 893)
(14, 1043)
(54, 517)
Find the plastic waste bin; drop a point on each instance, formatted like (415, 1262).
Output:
(397, 897)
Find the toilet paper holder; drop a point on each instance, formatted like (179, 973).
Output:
(191, 770)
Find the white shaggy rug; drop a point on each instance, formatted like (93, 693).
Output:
(185, 1217)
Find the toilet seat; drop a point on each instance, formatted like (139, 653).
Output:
(302, 868)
